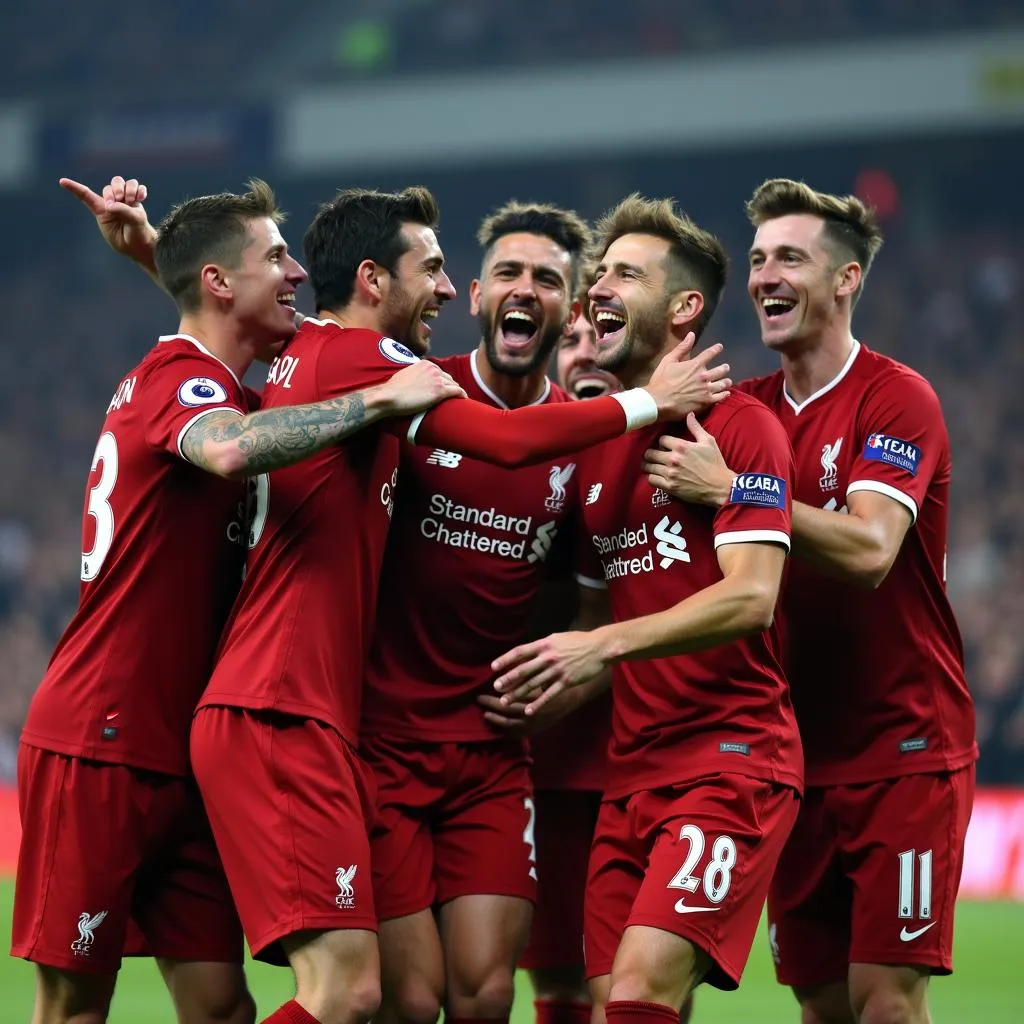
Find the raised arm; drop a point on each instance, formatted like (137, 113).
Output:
(121, 218)
(520, 437)
(235, 446)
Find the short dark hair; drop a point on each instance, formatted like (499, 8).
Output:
(696, 258)
(208, 229)
(564, 227)
(360, 224)
(851, 230)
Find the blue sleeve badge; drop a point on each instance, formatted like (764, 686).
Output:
(759, 489)
(893, 451)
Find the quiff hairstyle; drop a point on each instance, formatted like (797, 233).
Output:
(850, 233)
(696, 259)
(361, 224)
(208, 229)
(564, 227)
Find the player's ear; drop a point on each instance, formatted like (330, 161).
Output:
(370, 280)
(474, 297)
(686, 307)
(575, 311)
(848, 278)
(215, 281)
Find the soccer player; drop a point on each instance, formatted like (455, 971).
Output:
(290, 805)
(455, 828)
(861, 907)
(113, 831)
(704, 766)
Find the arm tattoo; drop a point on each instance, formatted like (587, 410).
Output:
(273, 438)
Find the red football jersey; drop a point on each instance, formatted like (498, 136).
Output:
(725, 709)
(162, 557)
(877, 675)
(467, 555)
(300, 630)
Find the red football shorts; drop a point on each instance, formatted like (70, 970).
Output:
(870, 875)
(289, 802)
(693, 859)
(564, 831)
(109, 851)
(453, 819)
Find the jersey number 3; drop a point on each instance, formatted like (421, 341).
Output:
(99, 506)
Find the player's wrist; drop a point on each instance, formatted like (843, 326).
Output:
(640, 407)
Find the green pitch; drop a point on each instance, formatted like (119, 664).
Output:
(986, 988)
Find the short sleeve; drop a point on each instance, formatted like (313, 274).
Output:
(182, 390)
(759, 508)
(359, 359)
(901, 441)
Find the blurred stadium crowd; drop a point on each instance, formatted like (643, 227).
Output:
(949, 304)
(95, 47)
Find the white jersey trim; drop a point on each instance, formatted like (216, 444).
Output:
(415, 425)
(202, 348)
(889, 491)
(798, 407)
(500, 403)
(195, 419)
(752, 537)
(589, 581)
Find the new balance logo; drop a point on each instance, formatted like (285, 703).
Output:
(906, 936)
(558, 478)
(439, 457)
(829, 453)
(87, 926)
(346, 897)
(660, 498)
(671, 545)
(594, 493)
(833, 506)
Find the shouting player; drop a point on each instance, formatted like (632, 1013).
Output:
(290, 805)
(113, 831)
(861, 908)
(456, 819)
(704, 766)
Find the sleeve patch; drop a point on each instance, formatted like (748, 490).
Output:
(396, 351)
(760, 489)
(893, 451)
(201, 391)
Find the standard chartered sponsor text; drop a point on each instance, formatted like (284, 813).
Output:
(444, 512)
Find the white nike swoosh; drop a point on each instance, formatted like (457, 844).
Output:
(906, 936)
(682, 908)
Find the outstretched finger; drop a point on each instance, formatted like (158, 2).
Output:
(683, 349)
(83, 194)
(696, 430)
(711, 352)
(549, 694)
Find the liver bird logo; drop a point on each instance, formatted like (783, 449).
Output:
(558, 478)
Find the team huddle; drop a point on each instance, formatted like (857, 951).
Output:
(416, 671)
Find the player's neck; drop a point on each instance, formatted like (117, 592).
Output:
(816, 364)
(352, 316)
(515, 392)
(222, 339)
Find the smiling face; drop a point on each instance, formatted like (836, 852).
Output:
(796, 283)
(576, 364)
(630, 302)
(263, 287)
(416, 291)
(522, 301)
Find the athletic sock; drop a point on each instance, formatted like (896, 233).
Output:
(560, 1011)
(291, 1013)
(632, 1011)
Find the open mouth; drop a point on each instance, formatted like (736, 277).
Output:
(775, 306)
(428, 316)
(518, 329)
(592, 384)
(608, 325)
(287, 299)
